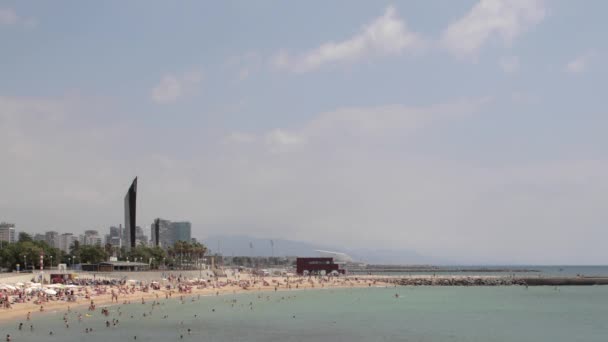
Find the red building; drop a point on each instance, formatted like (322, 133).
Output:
(317, 266)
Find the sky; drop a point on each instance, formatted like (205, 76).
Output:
(470, 131)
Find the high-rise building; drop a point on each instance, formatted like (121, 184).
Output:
(52, 238)
(140, 237)
(91, 238)
(66, 240)
(165, 233)
(130, 214)
(114, 237)
(7, 232)
(181, 231)
(163, 236)
(155, 233)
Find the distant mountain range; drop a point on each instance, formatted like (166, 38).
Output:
(249, 246)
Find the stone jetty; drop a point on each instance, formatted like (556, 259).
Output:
(497, 281)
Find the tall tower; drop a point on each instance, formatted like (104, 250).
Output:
(156, 232)
(130, 212)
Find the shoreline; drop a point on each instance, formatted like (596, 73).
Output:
(275, 284)
(21, 310)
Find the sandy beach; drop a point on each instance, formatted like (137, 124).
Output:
(101, 295)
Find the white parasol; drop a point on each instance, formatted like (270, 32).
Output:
(50, 292)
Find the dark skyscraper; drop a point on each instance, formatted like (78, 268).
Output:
(130, 212)
(156, 236)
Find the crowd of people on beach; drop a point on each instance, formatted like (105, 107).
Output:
(125, 292)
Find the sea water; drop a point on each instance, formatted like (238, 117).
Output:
(365, 314)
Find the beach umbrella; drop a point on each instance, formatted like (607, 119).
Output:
(29, 290)
(19, 284)
(50, 292)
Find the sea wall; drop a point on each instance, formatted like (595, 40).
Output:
(499, 281)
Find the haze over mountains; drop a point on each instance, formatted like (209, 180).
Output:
(243, 245)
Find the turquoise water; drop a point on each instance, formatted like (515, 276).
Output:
(419, 314)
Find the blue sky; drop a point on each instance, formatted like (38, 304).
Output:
(470, 131)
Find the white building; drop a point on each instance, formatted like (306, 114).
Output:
(66, 240)
(91, 238)
(7, 232)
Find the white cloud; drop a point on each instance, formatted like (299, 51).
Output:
(505, 19)
(386, 35)
(509, 64)
(172, 87)
(581, 63)
(352, 124)
(279, 140)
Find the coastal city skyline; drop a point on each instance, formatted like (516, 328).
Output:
(116, 236)
(471, 131)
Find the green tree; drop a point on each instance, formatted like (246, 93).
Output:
(24, 237)
(91, 254)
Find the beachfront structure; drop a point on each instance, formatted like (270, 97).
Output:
(130, 214)
(115, 266)
(308, 266)
(7, 232)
